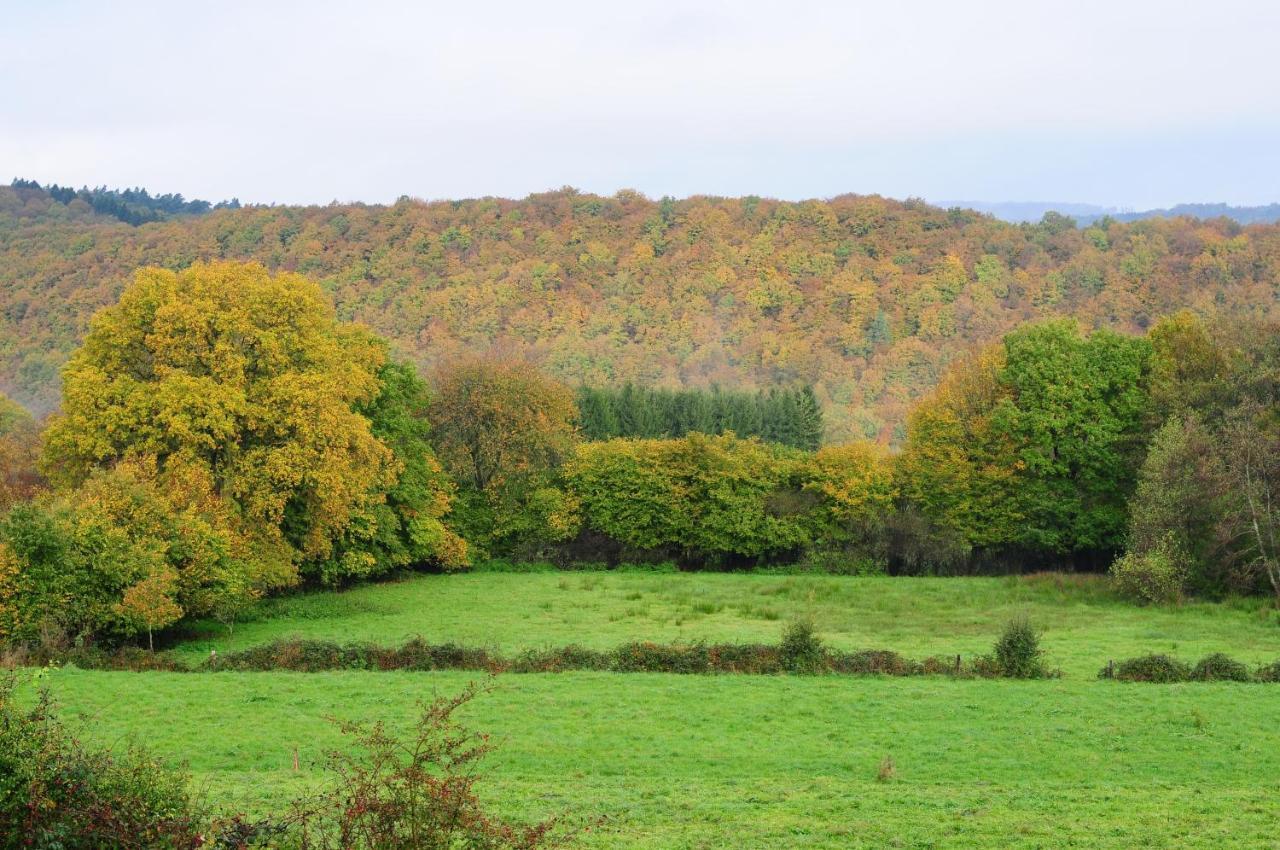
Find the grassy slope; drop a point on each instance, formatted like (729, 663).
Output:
(1084, 624)
(694, 762)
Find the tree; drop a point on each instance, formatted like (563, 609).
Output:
(1179, 502)
(1208, 487)
(502, 430)
(96, 560)
(409, 527)
(19, 443)
(242, 374)
(1250, 528)
(706, 498)
(495, 421)
(1075, 411)
(149, 603)
(1033, 445)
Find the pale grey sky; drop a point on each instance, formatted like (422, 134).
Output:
(1135, 103)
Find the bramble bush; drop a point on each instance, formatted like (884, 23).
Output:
(1220, 668)
(56, 794)
(1160, 669)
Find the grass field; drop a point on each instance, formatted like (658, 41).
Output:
(702, 762)
(1085, 625)
(763, 761)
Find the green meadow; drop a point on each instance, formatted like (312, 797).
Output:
(1084, 623)
(669, 761)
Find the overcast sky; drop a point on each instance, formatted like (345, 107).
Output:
(1134, 103)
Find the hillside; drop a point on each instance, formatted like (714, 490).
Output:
(866, 298)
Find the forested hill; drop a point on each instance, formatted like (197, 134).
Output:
(865, 298)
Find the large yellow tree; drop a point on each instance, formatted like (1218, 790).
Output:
(244, 374)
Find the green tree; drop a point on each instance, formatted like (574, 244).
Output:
(1033, 445)
(409, 528)
(1075, 409)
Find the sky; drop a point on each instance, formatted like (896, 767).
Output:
(1125, 103)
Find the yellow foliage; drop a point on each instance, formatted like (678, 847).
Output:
(243, 376)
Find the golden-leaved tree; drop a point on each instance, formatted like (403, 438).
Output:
(221, 434)
(244, 374)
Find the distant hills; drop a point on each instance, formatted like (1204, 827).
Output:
(867, 299)
(1086, 214)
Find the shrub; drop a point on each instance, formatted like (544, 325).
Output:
(56, 794)
(1017, 652)
(557, 660)
(801, 649)
(414, 795)
(1160, 669)
(1220, 668)
(1156, 576)
(1268, 672)
(839, 562)
(645, 657)
(874, 662)
(745, 658)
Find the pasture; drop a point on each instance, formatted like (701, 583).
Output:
(675, 761)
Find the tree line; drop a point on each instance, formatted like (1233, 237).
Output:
(224, 436)
(132, 206)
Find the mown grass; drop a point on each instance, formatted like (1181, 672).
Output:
(1085, 624)
(762, 762)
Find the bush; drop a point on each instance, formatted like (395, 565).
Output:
(839, 562)
(1220, 668)
(1268, 672)
(56, 794)
(1160, 669)
(875, 662)
(1017, 652)
(558, 660)
(745, 658)
(645, 657)
(1157, 576)
(801, 649)
(415, 795)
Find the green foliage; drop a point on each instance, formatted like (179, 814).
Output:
(801, 649)
(57, 794)
(409, 528)
(130, 551)
(1173, 513)
(703, 496)
(1219, 667)
(1018, 654)
(1210, 478)
(1073, 414)
(1157, 575)
(1159, 669)
(791, 417)
(1034, 445)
